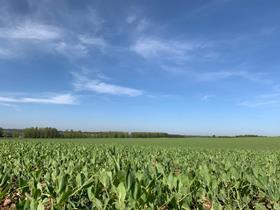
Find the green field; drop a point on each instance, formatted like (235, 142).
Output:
(260, 143)
(191, 173)
(203, 143)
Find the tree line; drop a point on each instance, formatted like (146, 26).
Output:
(113, 134)
(48, 132)
(41, 133)
(10, 133)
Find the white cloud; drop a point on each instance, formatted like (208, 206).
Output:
(259, 103)
(138, 22)
(270, 95)
(131, 18)
(272, 98)
(31, 31)
(6, 54)
(71, 49)
(57, 99)
(8, 100)
(206, 98)
(94, 41)
(209, 76)
(79, 47)
(149, 48)
(102, 87)
(82, 83)
(25, 37)
(256, 77)
(142, 25)
(216, 75)
(6, 104)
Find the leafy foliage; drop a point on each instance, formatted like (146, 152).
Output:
(41, 133)
(1, 132)
(36, 132)
(70, 175)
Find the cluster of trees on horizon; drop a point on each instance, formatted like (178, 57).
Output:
(48, 132)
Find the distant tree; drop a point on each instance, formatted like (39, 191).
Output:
(148, 135)
(15, 134)
(41, 133)
(7, 134)
(1, 132)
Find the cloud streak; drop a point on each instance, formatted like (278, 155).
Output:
(82, 83)
(63, 99)
(6, 54)
(211, 76)
(24, 37)
(152, 47)
(206, 98)
(262, 100)
(259, 103)
(31, 31)
(93, 41)
(71, 50)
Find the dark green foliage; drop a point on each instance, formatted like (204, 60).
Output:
(48, 132)
(73, 134)
(108, 134)
(36, 132)
(11, 133)
(148, 135)
(41, 133)
(16, 134)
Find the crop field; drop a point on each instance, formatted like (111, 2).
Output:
(192, 173)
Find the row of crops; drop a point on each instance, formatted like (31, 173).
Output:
(49, 175)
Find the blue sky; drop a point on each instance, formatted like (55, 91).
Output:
(191, 67)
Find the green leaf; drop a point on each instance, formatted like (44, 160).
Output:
(121, 192)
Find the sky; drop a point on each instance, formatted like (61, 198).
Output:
(190, 67)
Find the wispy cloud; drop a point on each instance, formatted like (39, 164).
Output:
(142, 25)
(7, 105)
(164, 96)
(257, 77)
(270, 95)
(27, 36)
(83, 83)
(68, 49)
(259, 103)
(6, 54)
(206, 98)
(216, 75)
(153, 47)
(31, 31)
(62, 99)
(139, 22)
(261, 100)
(102, 87)
(211, 76)
(93, 41)
(131, 18)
